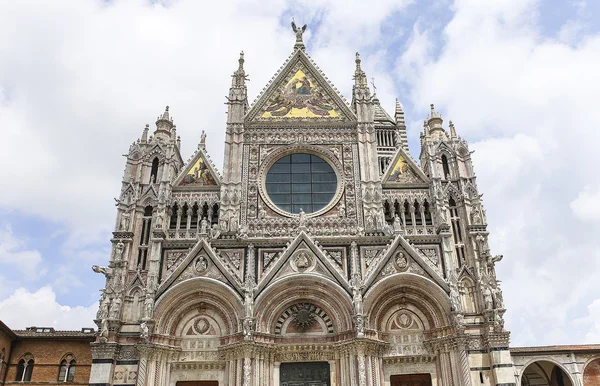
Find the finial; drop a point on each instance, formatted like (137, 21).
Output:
(241, 61)
(398, 107)
(145, 133)
(166, 113)
(452, 130)
(298, 31)
(357, 60)
(203, 138)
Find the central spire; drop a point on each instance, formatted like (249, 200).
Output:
(299, 31)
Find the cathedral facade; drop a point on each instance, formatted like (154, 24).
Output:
(323, 254)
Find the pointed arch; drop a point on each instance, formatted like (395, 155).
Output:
(25, 368)
(154, 171)
(66, 370)
(445, 167)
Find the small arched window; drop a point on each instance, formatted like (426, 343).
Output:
(154, 171)
(66, 372)
(446, 167)
(25, 369)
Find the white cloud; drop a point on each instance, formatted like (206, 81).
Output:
(40, 308)
(14, 252)
(593, 335)
(586, 206)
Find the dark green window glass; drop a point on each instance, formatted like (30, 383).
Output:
(301, 181)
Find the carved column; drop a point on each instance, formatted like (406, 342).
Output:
(189, 222)
(464, 362)
(178, 226)
(143, 366)
(362, 371)
(247, 371)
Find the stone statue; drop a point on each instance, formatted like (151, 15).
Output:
(124, 225)
(144, 331)
(497, 296)
(203, 225)
(148, 306)
(247, 325)
(243, 232)
(360, 325)
(203, 139)
(487, 298)
(302, 218)
(342, 211)
(454, 298)
(298, 31)
(249, 302)
(397, 223)
(201, 264)
(476, 216)
(215, 232)
(357, 299)
(119, 251)
(104, 331)
(115, 308)
(159, 220)
(499, 321)
(302, 261)
(380, 219)
(103, 309)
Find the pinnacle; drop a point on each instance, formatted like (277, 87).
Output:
(398, 107)
(165, 115)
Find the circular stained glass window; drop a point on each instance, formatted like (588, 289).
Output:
(301, 181)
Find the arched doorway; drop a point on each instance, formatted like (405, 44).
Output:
(591, 374)
(544, 373)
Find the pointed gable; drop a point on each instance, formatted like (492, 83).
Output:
(403, 170)
(300, 92)
(201, 261)
(401, 257)
(198, 173)
(303, 255)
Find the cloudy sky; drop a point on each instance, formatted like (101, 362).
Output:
(79, 79)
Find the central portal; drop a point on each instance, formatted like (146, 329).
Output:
(305, 374)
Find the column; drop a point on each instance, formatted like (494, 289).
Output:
(275, 376)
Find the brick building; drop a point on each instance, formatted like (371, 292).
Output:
(43, 355)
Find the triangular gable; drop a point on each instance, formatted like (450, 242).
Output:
(300, 92)
(401, 245)
(328, 267)
(403, 170)
(150, 196)
(198, 173)
(214, 267)
(135, 282)
(156, 151)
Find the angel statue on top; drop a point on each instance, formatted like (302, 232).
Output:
(299, 32)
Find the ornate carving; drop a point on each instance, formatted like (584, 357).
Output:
(201, 264)
(304, 317)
